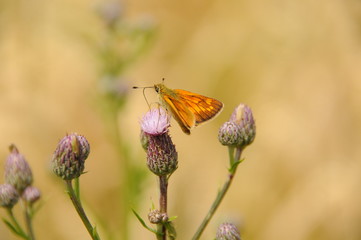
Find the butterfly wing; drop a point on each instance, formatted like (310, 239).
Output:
(184, 116)
(203, 108)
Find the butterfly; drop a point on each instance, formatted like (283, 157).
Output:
(187, 108)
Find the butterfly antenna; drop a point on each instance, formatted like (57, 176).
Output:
(146, 98)
(135, 87)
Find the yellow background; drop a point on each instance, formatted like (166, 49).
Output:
(295, 63)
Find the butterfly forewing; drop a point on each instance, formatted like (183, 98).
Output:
(184, 116)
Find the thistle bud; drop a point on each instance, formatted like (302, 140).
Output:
(70, 155)
(162, 157)
(155, 217)
(17, 170)
(242, 115)
(31, 194)
(229, 134)
(227, 231)
(8, 196)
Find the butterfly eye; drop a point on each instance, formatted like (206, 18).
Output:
(156, 88)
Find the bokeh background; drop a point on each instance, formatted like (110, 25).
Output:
(297, 64)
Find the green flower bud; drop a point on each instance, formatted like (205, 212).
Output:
(155, 217)
(227, 231)
(31, 194)
(17, 170)
(162, 157)
(229, 134)
(8, 196)
(70, 155)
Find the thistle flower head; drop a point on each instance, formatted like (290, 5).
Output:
(242, 135)
(8, 196)
(155, 122)
(17, 170)
(229, 134)
(162, 157)
(227, 231)
(70, 155)
(31, 194)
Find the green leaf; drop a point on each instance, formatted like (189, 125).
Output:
(14, 229)
(172, 218)
(144, 224)
(235, 165)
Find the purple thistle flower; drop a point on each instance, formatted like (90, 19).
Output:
(155, 122)
(162, 157)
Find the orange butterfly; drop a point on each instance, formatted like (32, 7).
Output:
(188, 109)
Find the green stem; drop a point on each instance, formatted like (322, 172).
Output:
(77, 204)
(233, 158)
(19, 230)
(77, 188)
(28, 220)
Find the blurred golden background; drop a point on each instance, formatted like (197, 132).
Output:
(297, 64)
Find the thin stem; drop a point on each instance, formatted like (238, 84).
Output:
(233, 158)
(163, 186)
(77, 204)
(28, 220)
(16, 224)
(77, 188)
(231, 155)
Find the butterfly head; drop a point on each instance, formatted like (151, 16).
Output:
(159, 88)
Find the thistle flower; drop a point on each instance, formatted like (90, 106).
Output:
(240, 130)
(17, 170)
(227, 231)
(31, 194)
(155, 122)
(229, 134)
(70, 155)
(155, 217)
(8, 196)
(162, 157)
